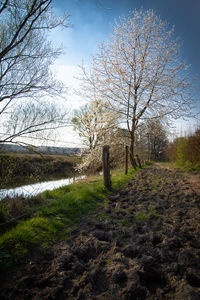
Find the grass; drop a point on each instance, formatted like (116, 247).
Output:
(141, 216)
(53, 221)
(186, 167)
(145, 216)
(125, 222)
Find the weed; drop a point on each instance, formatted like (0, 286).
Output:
(108, 261)
(141, 216)
(124, 222)
(148, 163)
(154, 213)
(153, 187)
(103, 216)
(145, 216)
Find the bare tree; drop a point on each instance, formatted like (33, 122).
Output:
(152, 139)
(31, 120)
(139, 72)
(26, 56)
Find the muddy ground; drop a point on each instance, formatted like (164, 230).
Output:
(143, 244)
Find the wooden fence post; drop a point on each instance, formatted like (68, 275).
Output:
(106, 167)
(126, 160)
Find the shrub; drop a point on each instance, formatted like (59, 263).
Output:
(185, 151)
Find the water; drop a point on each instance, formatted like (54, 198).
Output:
(37, 188)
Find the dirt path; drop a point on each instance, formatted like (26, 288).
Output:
(143, 244)
(192, 178)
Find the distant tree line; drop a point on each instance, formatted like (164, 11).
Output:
(12, 148)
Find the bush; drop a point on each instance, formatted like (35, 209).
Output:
(171, 150)
(185, 151)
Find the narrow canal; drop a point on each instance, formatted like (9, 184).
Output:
(36, 188)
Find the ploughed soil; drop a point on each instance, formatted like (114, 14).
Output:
(144, 243)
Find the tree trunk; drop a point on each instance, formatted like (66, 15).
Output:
(138, 161)
(132, 152)
(126, 160)
(106, 167)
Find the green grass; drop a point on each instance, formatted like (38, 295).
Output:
(186, 167)
(53, 222)
(145, 216)
(125, 222)
(141, 216)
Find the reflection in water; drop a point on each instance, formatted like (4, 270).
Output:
(37, 188)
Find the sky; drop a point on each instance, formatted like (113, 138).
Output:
(92, 22)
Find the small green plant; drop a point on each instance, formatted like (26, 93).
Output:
(155, 214)
(149, 163)
(125, 222)
(108, 261)
(103, 216)
(141, 216)
(145, 216)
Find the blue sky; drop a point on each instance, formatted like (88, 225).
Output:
(92, 22)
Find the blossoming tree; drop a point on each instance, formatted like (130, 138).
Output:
(138, 71)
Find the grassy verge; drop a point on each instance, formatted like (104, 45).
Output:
(50, 223)
(187, 167)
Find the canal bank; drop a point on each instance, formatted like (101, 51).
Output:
(24, 169)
